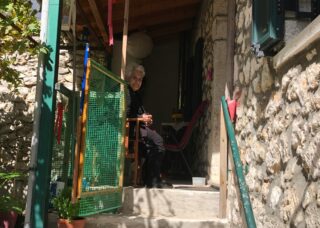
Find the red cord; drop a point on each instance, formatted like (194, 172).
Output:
(58, 124)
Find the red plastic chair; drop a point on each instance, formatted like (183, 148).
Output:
(181, 145)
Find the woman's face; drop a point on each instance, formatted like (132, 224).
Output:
(136, 80)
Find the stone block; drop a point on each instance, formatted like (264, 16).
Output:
(220, 28)
(220, 7)
(312, 215)
(170, 203)
(266, 78)
(219, 61)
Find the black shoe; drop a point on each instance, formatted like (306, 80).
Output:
(156, 185)
(165, 184)
(149, 186)
(160, 184)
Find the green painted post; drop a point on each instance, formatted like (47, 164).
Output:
(44, 154)
(251, 223)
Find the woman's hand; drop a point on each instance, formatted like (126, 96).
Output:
(147, 118)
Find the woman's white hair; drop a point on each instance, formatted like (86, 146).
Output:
(133, 67)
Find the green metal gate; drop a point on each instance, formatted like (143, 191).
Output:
(99, 163)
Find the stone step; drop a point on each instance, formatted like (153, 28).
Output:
(127, 221)
(184, 203)
(180, 207)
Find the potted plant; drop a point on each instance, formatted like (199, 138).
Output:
(67, 211)
(10, 206)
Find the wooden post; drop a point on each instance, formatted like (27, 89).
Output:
(125, 39)
(84, 119)
(223, 166)
(123, 70)
(76, 162)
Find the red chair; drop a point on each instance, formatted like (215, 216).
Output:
(179, 146)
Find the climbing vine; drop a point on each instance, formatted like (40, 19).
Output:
(18, 26)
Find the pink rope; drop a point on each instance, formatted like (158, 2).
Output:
(110, 26)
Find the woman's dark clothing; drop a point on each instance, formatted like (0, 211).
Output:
(153, 141)
(134, 104)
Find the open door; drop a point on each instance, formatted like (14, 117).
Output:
(100, 153)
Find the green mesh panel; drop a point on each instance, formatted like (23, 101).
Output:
(104, 148)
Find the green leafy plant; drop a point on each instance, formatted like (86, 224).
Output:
(7, 201)
(18, 26)
(64, 206)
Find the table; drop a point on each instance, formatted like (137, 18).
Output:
(175, 125)
(173, 131)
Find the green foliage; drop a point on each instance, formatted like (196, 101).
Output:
(65, 208)
(7, 201)
(17, 22)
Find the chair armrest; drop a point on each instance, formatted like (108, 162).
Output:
(138, 119)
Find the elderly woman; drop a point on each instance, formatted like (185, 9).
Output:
(154, 155)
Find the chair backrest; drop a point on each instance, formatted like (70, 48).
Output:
(132, 137)
(195, 117)
(133, 153)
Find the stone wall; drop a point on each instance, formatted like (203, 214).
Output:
(16, 115)
(17, 108)
(212, 27)
(278, 131)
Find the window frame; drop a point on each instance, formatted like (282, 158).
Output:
(272, 40)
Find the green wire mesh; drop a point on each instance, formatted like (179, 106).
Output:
(103, 155)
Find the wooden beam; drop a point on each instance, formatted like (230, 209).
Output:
(168, 29)
(141, 8)
(223, 166)
(171, 16)
(98, 19)
(83, 19)
(161, 13)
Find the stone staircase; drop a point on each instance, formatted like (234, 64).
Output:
(180, 207)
